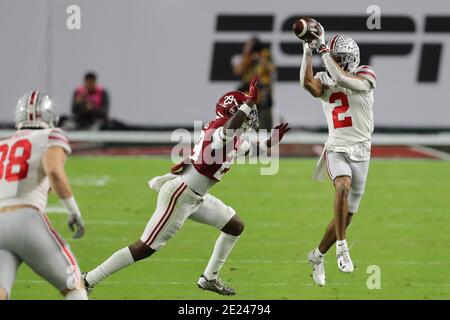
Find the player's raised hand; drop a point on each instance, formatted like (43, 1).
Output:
(253, 89)
(278, 134)
(76, 225)
(319, 40)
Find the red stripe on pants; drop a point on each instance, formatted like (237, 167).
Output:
(166, 214)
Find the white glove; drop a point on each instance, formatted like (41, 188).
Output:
(320, 40)
(307, 48)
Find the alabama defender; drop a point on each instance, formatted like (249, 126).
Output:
(31, 161)
(345, 90)
(183, 193)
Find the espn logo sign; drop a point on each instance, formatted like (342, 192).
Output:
(430, 53)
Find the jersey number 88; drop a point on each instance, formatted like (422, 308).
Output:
(15, 160)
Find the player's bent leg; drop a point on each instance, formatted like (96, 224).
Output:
(48, 255)
(234, 227)
(342, 188)
(139, 250)
(175, 203)
(215, 213)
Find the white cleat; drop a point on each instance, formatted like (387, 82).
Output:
(344, 261)
(318, 273)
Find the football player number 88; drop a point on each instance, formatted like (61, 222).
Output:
(347, 121)
(17, 165)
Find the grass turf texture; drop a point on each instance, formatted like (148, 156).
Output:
(402, 227)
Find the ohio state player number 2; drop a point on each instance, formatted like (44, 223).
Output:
(347, 121)
(16, 168)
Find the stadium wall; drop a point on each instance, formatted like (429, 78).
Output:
(166, 62)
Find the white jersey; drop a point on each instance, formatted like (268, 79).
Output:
(349, 114)
(22, 177)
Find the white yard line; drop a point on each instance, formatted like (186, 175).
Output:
(90, 181)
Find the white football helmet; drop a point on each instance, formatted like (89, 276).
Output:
(345, 51)
(36, 110)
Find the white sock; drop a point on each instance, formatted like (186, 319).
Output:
(77, 294)
(318, 254)
(341, 245)
(222, 249)
(119, 260)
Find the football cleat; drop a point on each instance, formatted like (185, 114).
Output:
(344, 261)
(87, 286)
(318, 273)
(215, 285)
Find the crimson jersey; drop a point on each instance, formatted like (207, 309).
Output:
(213, 160)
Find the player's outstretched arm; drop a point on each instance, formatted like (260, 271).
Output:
(236, 121)
(253, 149)
(341, 77)
(53, 163)
(307, 80)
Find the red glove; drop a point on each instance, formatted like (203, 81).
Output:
(253, 90)
(276, 137)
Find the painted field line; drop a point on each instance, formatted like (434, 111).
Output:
(90, 181)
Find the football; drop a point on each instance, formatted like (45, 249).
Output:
(303, 28)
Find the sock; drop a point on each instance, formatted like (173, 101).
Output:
(77, 294)
(222, 249)
(318, 254)
(341, 245)
(119, 260)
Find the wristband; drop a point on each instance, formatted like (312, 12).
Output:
(323, 49)
(245, 109)
(71, 206)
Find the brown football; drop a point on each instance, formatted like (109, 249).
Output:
(303, 27)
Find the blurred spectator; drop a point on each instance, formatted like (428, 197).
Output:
(256, 59)
(90, 104)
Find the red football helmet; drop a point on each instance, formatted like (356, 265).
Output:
(229, 104)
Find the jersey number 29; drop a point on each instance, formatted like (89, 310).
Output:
(347, 121)
(17, 166)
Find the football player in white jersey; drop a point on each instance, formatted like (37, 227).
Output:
(184, 193)
(345, 90)
(32, 161)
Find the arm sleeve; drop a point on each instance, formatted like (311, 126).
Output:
(367, 73)
(306, 52)
(58, 138)
(342, 78)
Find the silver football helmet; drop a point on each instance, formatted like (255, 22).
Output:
(36, 110)
(345, 52)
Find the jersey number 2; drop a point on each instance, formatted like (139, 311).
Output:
(16, 160)
(347, 121)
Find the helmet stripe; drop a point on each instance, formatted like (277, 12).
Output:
(31, 109)
(333, 42)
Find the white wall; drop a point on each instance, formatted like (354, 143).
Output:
(154, 56)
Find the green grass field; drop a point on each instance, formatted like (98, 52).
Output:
(402, 227)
